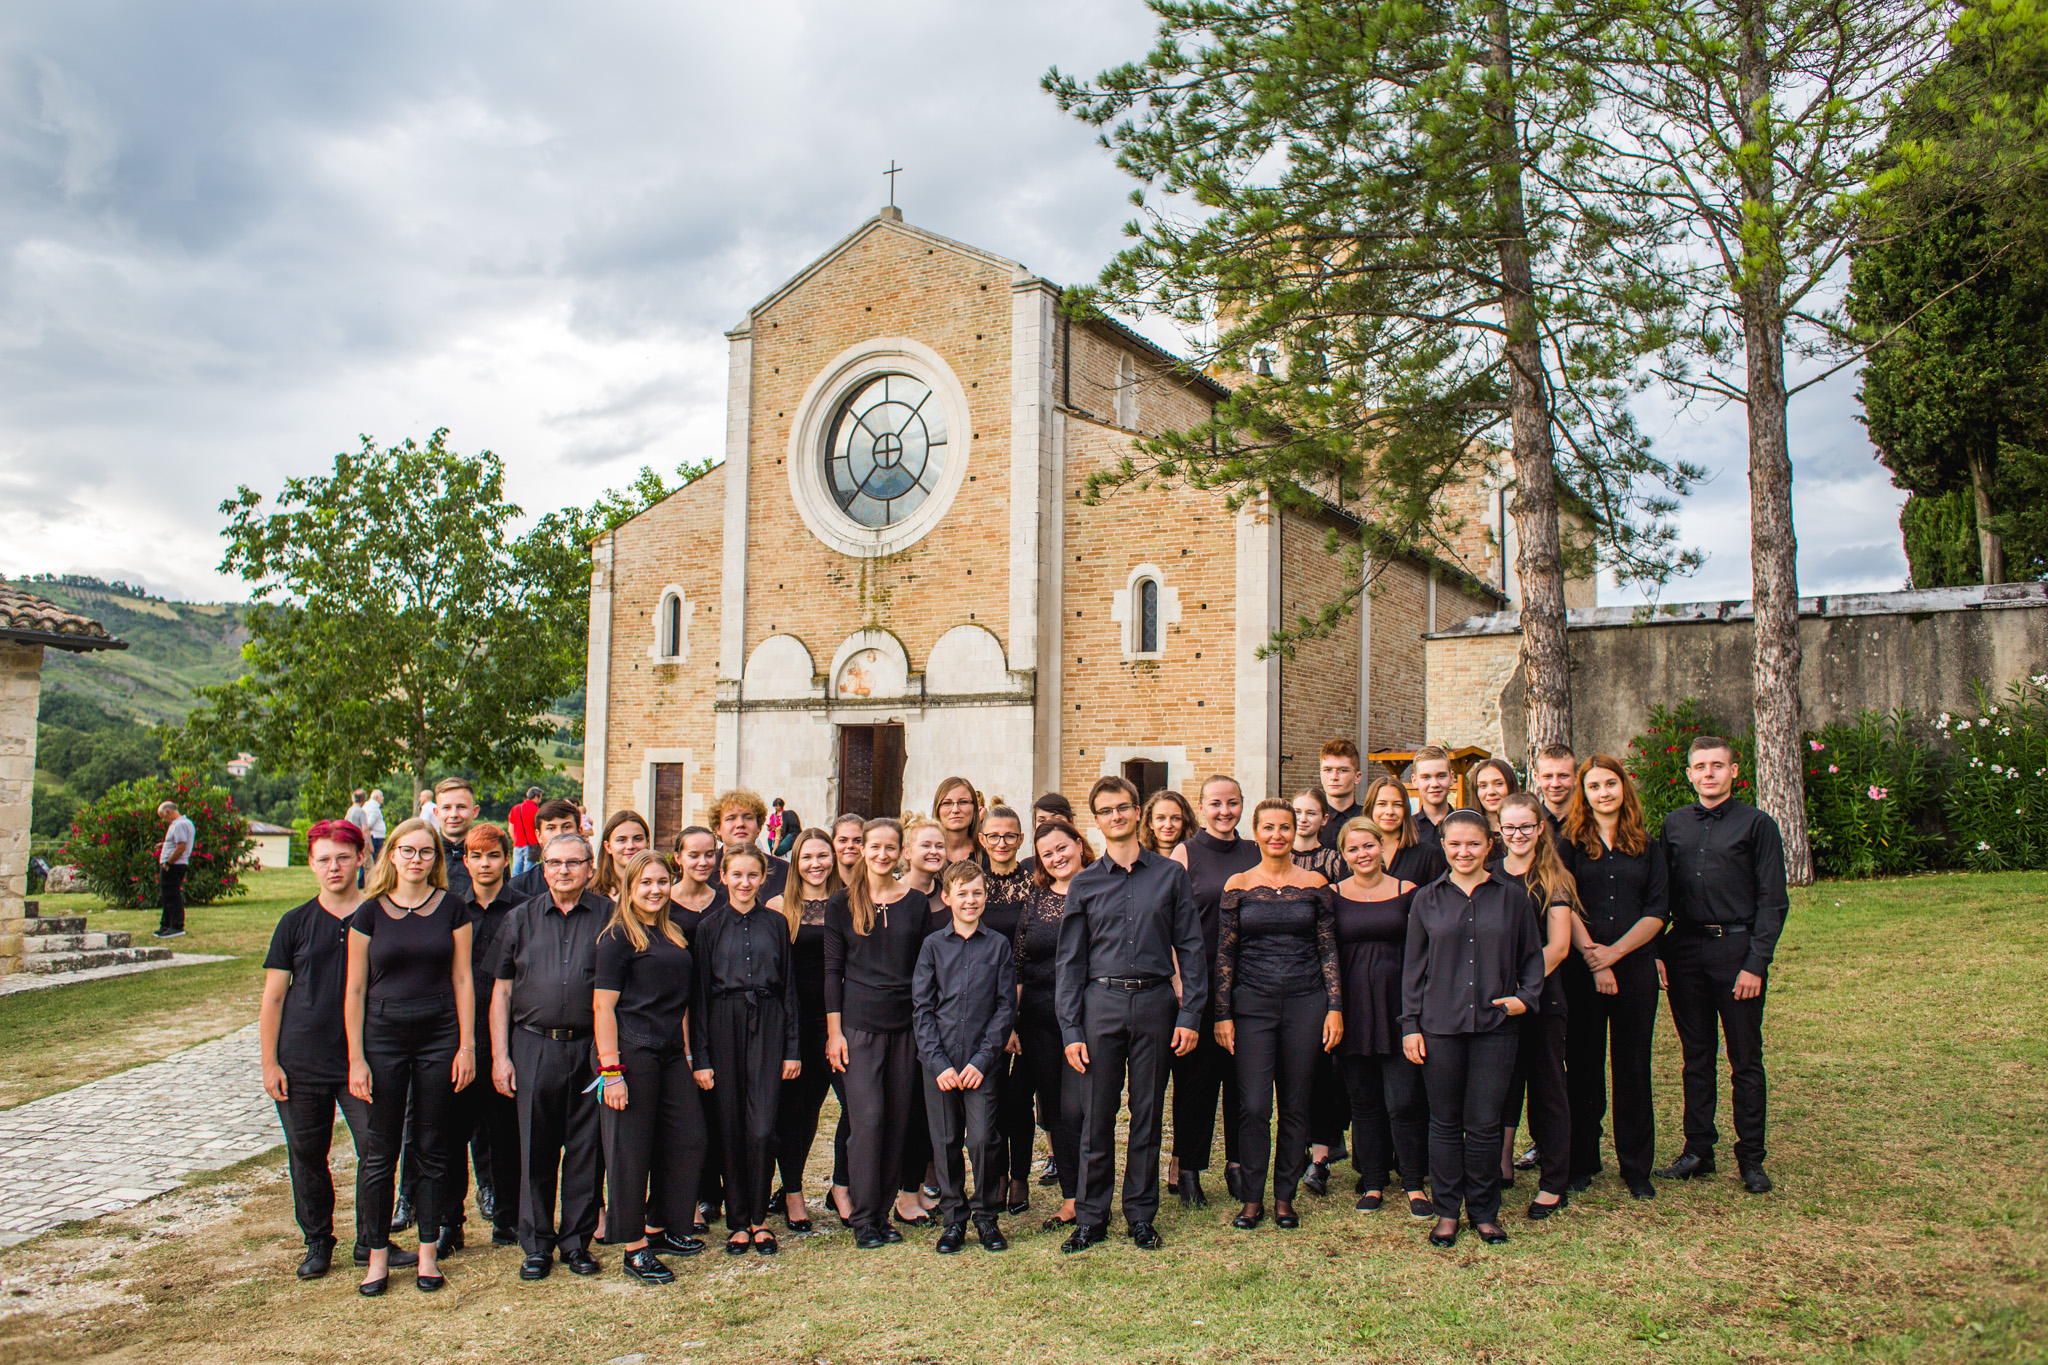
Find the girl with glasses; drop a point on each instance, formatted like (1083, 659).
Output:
(1532, 859)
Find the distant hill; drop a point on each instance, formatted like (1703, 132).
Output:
(173, 647)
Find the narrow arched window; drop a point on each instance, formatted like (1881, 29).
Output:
(1148, 616)
(671, 626)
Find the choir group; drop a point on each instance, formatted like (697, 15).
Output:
(628, 1042)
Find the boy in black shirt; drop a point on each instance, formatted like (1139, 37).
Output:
(964, 1002)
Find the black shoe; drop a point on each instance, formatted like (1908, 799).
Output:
(923, 1220)
(319, 1256)
(1580, 1184)
(1754, 1180)
(401, 1214)
(795, 1224)
(1642, 1189)
(890, 1235)
(427, 1284)
(582, 1262)
(765, 1243)
(1083, 1237)
(1539, 1211)
(369, 1289)
(669, 1242)
(1444, 1239)
(868, 1239)
(1145, 1237)
(744, 1245)
(990, 1234)
(952, 1239)
(643, 1265)
(1245, 1222)
(1190, 1187)
(1289, 1220)
(1049, 1175)
(451, 1241)
(537, 1266)
(1055, 1224)
(504, 1237)
(1493, 1234)
(1420, 1206)
(487, 1203)
(394, 1260)
(1316, 1180)
(1507, 1182)
(1369, 1203)
(1231, 1182)
(1689, 1166)
(1529, 1160)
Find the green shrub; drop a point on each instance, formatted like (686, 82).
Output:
(1869, 788)
(1997, 793)
(1656, 760)
(115, 841)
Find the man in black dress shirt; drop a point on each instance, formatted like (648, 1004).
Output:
(1338, 769)
(1557, 772)
(545, 961)
(1128, 914)
(1430, 776)
(1726, 864)
(455, 810)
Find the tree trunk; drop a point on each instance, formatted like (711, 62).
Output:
(1774, 571)
(1990, 545)
(1539, 560)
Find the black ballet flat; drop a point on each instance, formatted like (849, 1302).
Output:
(1287, 1220)
(1419, 1206)
(1245, 1222)
(1369, 1203)
(1539, 1211)
(1493, 1234)
(1444, 1239)
(370, 1289)
(739, 1248)
(764, 1243)
(427, 1284)
(890, 1235)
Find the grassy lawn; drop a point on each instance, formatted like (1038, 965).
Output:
(1909, 1108)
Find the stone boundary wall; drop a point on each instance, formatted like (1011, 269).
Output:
(21, 668)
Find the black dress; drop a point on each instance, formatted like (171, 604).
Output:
(796, 1123)
(1389, 1108)
(1042, 1069)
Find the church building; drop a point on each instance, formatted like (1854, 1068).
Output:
(894, 576)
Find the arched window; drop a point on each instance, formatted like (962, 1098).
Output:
(671, 643)
(1146, 609)
(1148, 616)
(671, 626)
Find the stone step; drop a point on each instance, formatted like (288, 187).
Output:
(40, 925)
(46, 964)
(80, 942)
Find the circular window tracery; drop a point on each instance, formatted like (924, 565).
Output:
(886, 450)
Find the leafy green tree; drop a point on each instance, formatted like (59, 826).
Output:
(1369, 208)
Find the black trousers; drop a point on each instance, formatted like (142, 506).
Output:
(796, 1114)
(1129, 1036)
(917, 1138)
(307, 1117)
(1389, 1119)
(745, 1037)
(839, 1132)
(1624, 1023)
(660, 1129)
(1540, 1076)
(1016, 1126)
(1704, 1010)
(559, 1145)
(1042, 1074)
(1329, 1106)
(1199, 1080)
(881, 1076)
(410, 1046)
(1467, 1076)
(1278, 1040)
(491, 1123)
(171, 890)
(957, 1117)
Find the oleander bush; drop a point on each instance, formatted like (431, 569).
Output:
(1656, 759)
(1872, 794)
(114, 841)
(1997, 792)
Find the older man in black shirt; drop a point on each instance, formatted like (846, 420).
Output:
(1726, 865)
(1128, 914)
(545, 961)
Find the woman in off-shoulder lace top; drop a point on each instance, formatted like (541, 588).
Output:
(1279, 1002)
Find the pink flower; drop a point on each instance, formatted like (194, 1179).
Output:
(1833, 769)
(1817, 745)
(1878, 793)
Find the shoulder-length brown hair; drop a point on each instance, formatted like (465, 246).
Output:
(1631, 831)
(1055, 824)
(383, 879)
(793, 881)
(606, 882)
(1152, 803)
(860, 892)
(1405, 836)
(626, 918)
(1468, 786)
(947, 784)
(1547, 874)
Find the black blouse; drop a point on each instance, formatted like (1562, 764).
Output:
(687, 920)
(1553, 999)
(1464, 952)
(1008, 894)
(1277, 942)
(1421, 863)
(1371, 937)
(412, 954)
(653, 983)
(1212, 862)
(867, 976)
(808, 956)
(312, 1044)
(1326, 863)
(1616, 890)
(1036, 940)
(746, 956)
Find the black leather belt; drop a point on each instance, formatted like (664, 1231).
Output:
(1132, 983)
(1715, 930)
(558, 1035)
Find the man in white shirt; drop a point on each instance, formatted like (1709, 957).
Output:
(374, 809)
(360, 818)
(174, 856)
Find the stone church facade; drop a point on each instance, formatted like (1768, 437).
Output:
(894, 576)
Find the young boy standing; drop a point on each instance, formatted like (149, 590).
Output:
(964, 1003)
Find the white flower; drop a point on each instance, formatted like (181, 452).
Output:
(1983, 847)
(1943, 722)
(1995, 768)
(1994, 710)
(1981, 722)
(2005, 729)
(1976, 762)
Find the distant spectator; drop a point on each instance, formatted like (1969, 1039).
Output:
(426, 805)
(774, 828)
(525, 835)
(359, 816)
(786, 834)
(174, 856)
(374, 808)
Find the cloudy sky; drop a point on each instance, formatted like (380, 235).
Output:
(237, 234)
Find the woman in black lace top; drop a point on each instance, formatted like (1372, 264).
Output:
(1309, 852)
(813, 877)
(1061, 852)
(1279, 1001)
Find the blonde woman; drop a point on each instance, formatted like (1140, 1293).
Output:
(812, 882)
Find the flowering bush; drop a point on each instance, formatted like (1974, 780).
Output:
(1997, 794)
(114, 841)
(1656, 760)
(1870, 787)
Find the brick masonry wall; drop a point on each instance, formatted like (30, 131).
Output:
(21, 668)
(1319, 681)
(1466, 679)
(655, 704)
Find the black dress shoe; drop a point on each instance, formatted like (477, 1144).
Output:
(1245, 1222)
(1145, 1237)
(643, 1265)
(1050, 1174)
(1190, 1187)
(1689, 1166)
(1642, 1189)
(1754, 1180)
(1369, 1203)
(1232, 1183)
(450, 1242)
(1444, 1239)
(401, 1214)
(504, 1237)
(395, 1260)
(1316, 1180)
(1420, 1206)
(990, 1234)
(1083, 1237)
(1579, 1184)
(1529, 1160)
(669, 1242)
(370, 1289)
(1538, 1210)
(1493, 1234)
(951, 1239)
(319, 1256)
(537, 1266)
(1289, 1220)
(869, 1239)
(582, 1262)
(427, 1284)
(487, 1203)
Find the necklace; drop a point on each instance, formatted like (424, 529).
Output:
(408, 909)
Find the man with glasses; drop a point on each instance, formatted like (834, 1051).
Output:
(1128, 914)
(541, 1021)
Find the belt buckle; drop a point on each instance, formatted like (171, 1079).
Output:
(1713, 931)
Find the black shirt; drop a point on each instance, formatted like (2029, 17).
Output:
(1371, 937)
(550, 957)
(687, 920)
(747, 956)
(774, 872)
(1553, 998)
(412, 953)
(1726, 865)
(486, 922)
(1426, 832)
(1130, 922)
(1616, 890)
(1211, 863)
(1419, 863)
(1036, 941)
(1278, 942)
(312, 1043)
(964, 1000)
(1324, 862)
(867, 976)
(528, 884)
(452, 864)
(807, 959)
(1334, 822)
(653, 985)
(1464, 952)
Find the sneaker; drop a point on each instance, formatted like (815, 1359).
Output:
(171, 933)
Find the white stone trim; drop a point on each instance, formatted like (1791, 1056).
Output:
(643, 784)
(1174, 756)
(854, 366)
(732, 594)
(1034, 489)
(682, 640)
(1123, 609)
(1257, 723)
(1125, 398)
(598, 672)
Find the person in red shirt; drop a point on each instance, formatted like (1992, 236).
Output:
(525, 838)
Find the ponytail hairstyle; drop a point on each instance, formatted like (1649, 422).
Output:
(626, 916)
(606, 883)
(1631, 831)
(793, 882)
(1275, 803)
(860, 892)
(1549, 881)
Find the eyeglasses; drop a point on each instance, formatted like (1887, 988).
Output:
(565, 864)
(1518, 831)
(411, 855)
(957, 803)
(1124, 809)
(994, 838)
